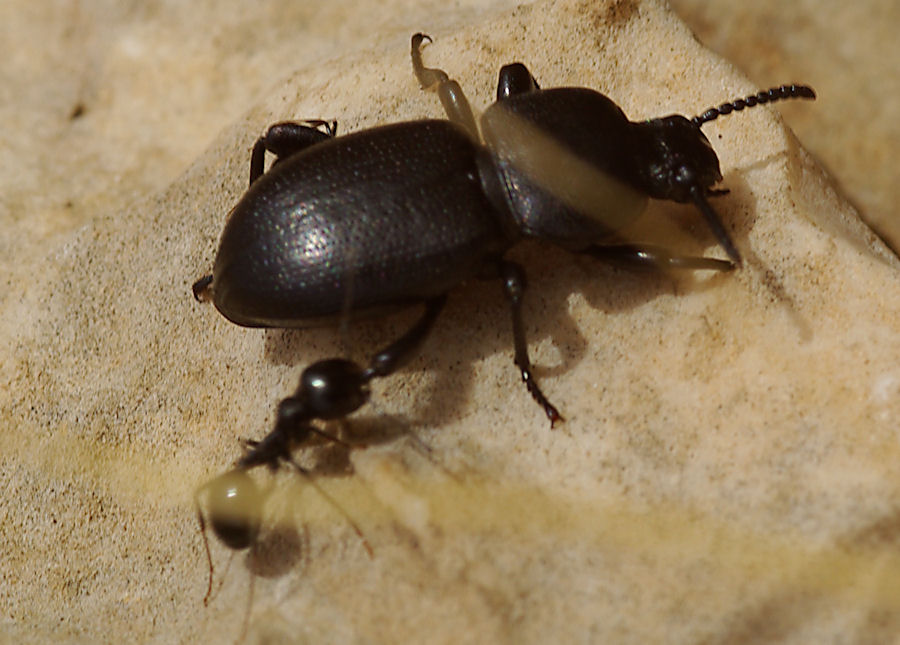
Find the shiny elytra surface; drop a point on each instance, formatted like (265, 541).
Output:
(388, 216)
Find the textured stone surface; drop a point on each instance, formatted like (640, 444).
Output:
(725, 473)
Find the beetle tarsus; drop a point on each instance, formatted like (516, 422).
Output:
(286, 139)
(453, 99)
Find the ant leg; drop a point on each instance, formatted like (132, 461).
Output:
(646, 256)
(331, 500)
(514, 286)
(286, 139)
(452, 98)
(515, 79)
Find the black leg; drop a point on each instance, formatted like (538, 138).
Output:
(401, 351)
(653, 257)
(450, 93)
(715, 225)
(514, 287)
(331, 500)
(286, 139)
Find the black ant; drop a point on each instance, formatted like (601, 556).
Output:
(329, 389)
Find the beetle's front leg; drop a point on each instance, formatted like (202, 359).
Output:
(286, 139)
(452, 98)
(647, 256)
(514, 287)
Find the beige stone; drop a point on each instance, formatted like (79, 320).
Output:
(725, 471)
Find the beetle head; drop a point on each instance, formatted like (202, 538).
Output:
(673, 158)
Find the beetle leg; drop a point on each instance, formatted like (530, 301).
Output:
(402, 350)
(715, 225)
(514, 287)
(646, 256)
(452, 98)
(286, 139)
(515, 79)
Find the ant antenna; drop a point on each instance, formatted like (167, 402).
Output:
(760, 98)
(331, 500)
(209, 561)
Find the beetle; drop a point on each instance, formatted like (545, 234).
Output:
(398, 215)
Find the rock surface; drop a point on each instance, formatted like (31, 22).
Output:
(725, 472)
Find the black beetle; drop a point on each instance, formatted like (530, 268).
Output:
(401, 214)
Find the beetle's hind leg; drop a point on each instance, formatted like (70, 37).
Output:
(286, 139)
(452, 97)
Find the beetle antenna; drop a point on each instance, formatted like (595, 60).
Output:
(760, 98)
